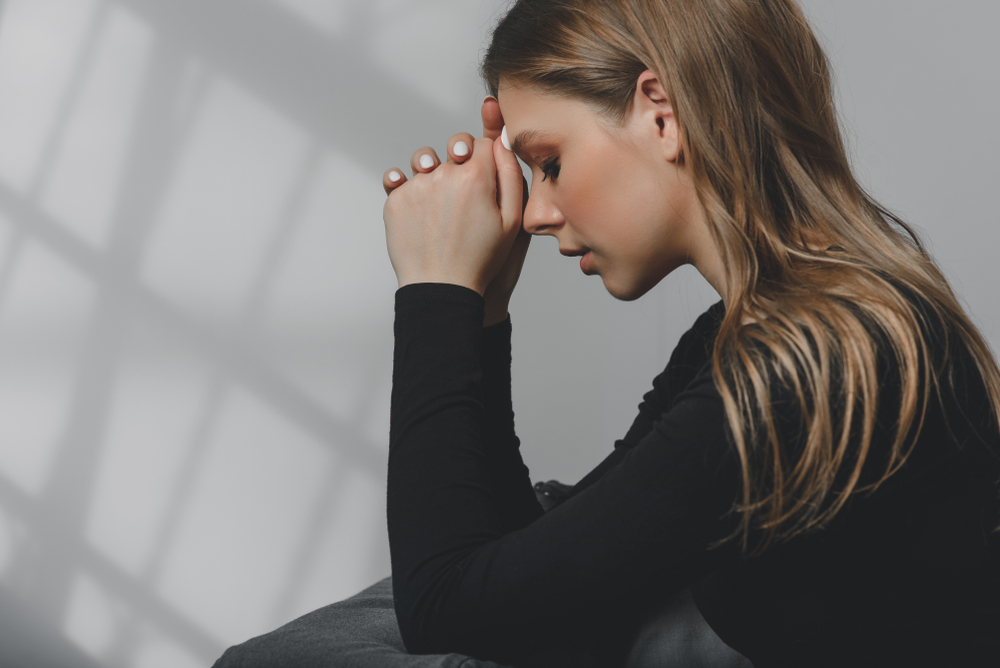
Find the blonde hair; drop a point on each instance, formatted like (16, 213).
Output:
(752, 92)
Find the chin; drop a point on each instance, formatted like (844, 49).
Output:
(626, 292)
(629, 287)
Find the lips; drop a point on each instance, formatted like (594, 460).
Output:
(586, 260)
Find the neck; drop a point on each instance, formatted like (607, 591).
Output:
(707, 259)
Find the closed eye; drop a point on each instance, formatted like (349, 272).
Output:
(550, 169)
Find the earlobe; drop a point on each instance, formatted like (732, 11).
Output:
(673, 148)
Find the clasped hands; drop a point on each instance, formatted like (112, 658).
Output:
(460, 222)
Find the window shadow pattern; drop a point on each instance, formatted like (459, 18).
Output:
(85, 603)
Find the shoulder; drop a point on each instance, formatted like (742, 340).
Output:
(694, 348)
(693, 351)
(707, 324)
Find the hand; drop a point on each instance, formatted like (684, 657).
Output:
(456, 223)
(498, 291)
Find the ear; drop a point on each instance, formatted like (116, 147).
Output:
(652, 110)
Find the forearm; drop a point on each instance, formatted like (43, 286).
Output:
(455, 473)
(442, 497)
(509, 475)
(464, 579)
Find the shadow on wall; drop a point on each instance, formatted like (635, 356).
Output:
(195, 315)
(29, 640)
(196, 306)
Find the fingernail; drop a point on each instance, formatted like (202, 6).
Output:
(503, 138)
(488, 98)
(460, 148)
(395, 176)
(426, 161)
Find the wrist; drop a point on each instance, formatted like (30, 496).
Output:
(447, 280)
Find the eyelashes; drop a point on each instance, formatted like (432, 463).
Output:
(550, 169)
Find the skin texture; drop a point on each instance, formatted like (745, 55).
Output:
(622, 193)
(498, 291)
(622, 199)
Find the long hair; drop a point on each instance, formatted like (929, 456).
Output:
(752, 93)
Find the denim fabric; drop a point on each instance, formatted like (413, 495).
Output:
(361, 632)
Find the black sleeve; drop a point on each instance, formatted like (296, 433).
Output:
(508, 474)
(463, 582)
(692, 352)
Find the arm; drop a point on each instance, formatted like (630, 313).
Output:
(693, 350)
(508, 474)
(462, 581)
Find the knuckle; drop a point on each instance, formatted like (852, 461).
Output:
(475, 171)
(472, 176)
(446, 168)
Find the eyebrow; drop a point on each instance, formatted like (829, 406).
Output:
(523, 138)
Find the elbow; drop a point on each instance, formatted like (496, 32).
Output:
(427, 625)
(414, 639)
(417, 624)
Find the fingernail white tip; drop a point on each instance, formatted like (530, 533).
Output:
(426, 161)
(503, 138)
(395, 176)
(460, 148)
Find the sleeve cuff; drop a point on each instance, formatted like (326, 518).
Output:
(438, 292)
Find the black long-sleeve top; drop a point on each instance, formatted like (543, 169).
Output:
(908, 574)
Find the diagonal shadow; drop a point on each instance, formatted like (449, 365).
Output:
(28, 640)
(69, 97)
(70, 485)
(46, 525)
(309, 80)
(198, 447)
(222, 346)
(151, 159)
(328, 87)
(60, 124)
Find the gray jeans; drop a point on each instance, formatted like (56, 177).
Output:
(361, 632)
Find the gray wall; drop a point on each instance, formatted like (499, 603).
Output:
(196, 303)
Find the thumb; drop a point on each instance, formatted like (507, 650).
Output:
(492, 118)
(510, 182)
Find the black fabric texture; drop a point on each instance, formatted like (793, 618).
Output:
(909, 572)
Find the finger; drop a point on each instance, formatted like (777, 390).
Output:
(392, 179)
(460, 147)
(510, 195)
(482, 156)
(492, 118)
(424, 160)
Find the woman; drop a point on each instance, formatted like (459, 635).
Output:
(820, 459)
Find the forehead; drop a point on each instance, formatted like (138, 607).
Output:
(535, 117)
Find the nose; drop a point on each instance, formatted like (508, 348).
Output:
(541, 215)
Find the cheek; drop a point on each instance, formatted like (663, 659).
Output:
(605, 190)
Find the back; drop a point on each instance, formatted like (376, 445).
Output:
(905, 573)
